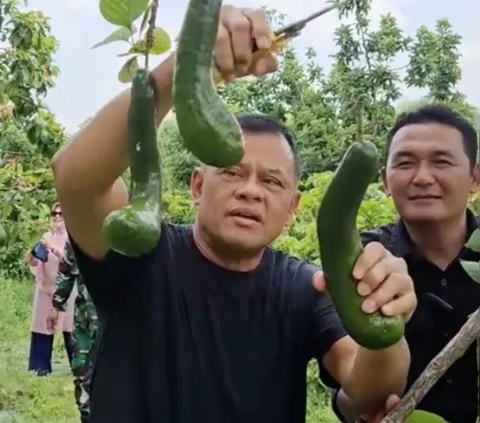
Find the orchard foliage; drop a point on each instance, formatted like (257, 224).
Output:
(317, 104)
(29, 131)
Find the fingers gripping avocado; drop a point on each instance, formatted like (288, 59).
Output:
(206, 126)
(340, 247)
(135, 230)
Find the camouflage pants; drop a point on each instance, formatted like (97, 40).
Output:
(83, 337)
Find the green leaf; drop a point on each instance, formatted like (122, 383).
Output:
(161, 43)
(420, 416)
(122, 12)
(120, 34)
(472, 268)
(128, 71)
(474, 242)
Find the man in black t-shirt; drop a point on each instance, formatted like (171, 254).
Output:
(431, 170)
(212, 325)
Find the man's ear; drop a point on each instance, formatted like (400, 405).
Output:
(385, 181)
(293, 209)
(196, 183)
(475, 178)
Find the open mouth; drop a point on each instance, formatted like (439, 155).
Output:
(246, 215)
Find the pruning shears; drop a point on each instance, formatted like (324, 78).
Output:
(282, 35)
(293, 30)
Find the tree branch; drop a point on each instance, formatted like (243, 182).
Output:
(150, 37)
(454, 350)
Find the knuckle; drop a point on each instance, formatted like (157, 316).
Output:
(397, 264)
(261, 18)
(376, 245)
(222, 35)
(380, 297)
(240, 24)
(377, 275)
(375, 248)
(273, 65)
(227, 9)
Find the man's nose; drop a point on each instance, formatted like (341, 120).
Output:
(250, 190)
(423, 175)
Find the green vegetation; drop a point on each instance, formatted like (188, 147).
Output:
(41, 400)
(316, 104)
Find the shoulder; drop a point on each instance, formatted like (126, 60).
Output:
(175, 234)
(292, 277)
(385, 235)
(172, 235)
(285, 265)
(117, 272)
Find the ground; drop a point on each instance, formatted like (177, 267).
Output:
(25, 398)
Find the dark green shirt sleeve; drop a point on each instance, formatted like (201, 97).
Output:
(67, 276)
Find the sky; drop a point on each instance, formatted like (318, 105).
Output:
(88, 77)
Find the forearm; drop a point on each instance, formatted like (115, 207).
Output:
(58, 303)
(376, 375)
(98, 154)
(62, 293)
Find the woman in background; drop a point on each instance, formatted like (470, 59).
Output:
(43, 262)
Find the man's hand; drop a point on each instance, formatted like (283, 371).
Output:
(52, 320)
(238, 30)
(383, 281)
(392, 401)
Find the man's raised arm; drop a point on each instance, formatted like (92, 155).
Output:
(88, 170)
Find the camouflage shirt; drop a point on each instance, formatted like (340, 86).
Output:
(68, 276)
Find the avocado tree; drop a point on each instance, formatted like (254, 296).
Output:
(316, 103)
(124, 15)
(29, 131)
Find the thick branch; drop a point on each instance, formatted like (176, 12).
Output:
(454, 350)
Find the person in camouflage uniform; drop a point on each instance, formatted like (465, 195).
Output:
(85, 328)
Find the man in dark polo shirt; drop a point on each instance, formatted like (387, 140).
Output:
(431, 168)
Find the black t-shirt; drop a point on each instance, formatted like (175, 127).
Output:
(186, 341)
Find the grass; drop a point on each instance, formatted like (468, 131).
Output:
(50, 399)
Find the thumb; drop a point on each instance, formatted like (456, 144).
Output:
(319, 282)
(392, 402)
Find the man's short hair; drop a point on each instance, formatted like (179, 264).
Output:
(444, 115)
(258, 123)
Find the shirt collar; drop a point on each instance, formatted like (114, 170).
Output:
(404, 246)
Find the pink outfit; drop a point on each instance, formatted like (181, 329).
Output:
(45, 276)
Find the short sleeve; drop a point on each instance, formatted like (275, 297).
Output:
(110, 279)
(101, 277)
